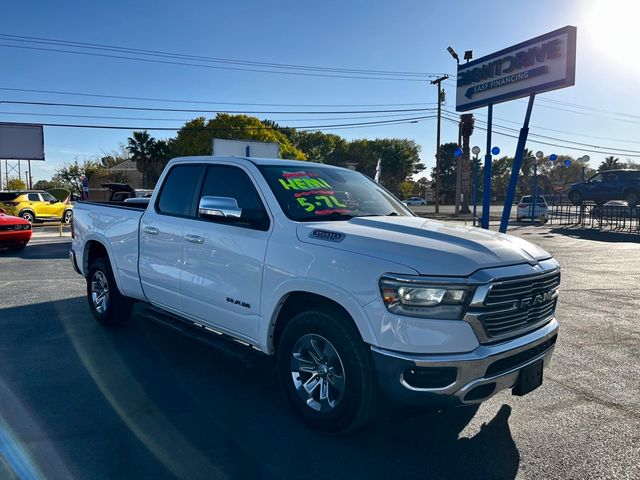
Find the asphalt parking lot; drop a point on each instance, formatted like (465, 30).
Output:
(80, 401)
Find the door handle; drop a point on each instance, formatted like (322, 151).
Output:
(194, 238)
(151, 230)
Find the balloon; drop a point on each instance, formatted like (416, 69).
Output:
(567, 163)
(495, 150)
(457, 152)
(553, 157)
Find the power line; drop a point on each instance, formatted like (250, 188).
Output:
(159, 109)
(138, 51)
(207, 129)
(589, 149)
(207, 102)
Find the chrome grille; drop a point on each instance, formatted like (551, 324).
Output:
(518, 304)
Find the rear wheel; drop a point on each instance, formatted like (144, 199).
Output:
(108, 306)
(575, 197)
(28, 216)
(631, 197)
(67, 216)
(326, 372)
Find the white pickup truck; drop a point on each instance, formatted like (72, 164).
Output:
(327, 271)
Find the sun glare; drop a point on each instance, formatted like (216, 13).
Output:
(612, 28)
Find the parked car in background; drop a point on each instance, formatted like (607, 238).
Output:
(606, 186)
(119, 192)
(614, 208)
(15, 232)
(526, 210)
(36, 205)
(415, 201)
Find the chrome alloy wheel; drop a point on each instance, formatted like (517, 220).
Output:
(317, 372)
(100, 292)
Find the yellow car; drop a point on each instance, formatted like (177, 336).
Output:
(35, 205)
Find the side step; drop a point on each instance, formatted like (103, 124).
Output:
(240, 351)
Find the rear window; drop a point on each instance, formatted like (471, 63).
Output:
(7, 196)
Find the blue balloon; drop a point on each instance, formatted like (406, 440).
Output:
(553, 157)
(495, 150)
(567, 163)
(457, 152)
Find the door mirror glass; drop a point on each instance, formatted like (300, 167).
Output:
(217, 207)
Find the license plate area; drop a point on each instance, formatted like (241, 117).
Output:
(529, 378)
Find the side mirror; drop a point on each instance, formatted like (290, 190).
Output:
(216, 207)
(53, 201)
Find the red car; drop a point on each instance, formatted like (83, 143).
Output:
(15, 232)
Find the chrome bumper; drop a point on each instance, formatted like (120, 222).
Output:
(472, 369)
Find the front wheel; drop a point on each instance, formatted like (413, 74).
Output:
(326, 372)
(575, 197)
(108, 306)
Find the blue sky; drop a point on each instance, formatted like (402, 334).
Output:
(399, 36)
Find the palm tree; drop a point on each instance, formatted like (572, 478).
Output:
(611, 163)
(141, 146)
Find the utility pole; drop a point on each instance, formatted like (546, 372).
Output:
(438, 81)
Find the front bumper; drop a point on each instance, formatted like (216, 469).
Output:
(465, 378)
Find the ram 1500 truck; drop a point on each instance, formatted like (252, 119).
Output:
(324, 269)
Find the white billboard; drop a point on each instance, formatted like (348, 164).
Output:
(21, 142)
(246, 148)
(544, 63)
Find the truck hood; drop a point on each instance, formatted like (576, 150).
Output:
(430, 247)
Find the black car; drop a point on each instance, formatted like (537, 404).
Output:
(608, 185)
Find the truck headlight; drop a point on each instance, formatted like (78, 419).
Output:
(428, 300)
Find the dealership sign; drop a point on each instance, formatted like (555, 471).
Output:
(544, 63)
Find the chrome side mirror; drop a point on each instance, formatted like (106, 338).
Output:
(212, 207)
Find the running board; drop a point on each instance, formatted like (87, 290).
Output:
(238, 350)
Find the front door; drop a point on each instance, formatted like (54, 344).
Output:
(224, 257)
(161, 236)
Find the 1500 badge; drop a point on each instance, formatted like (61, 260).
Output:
(238, 302)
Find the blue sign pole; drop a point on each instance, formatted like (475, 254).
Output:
(486, 194)
(475, 188)
(515, 170)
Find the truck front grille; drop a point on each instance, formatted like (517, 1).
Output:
(519, 303)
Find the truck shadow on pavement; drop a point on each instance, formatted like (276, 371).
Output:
(41, 251)
(143, 402)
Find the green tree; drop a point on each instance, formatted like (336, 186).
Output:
(195, 137)
(16, 184)
(140, 146)
(68, 175)
(447, 172)
(320, 147)
(611, 163)
(46, 185)
(407, 188)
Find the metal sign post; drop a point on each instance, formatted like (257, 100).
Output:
(486, 190)
(541, 64)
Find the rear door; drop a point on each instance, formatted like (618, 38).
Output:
(161, 236)
(51, 210)
(224, 257)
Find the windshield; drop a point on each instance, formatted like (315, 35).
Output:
(320, 193)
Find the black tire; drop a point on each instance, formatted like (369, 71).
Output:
(356, 403)
(117, 308)
(575, 197)
(67, 216)
(631, 197)
(28, 215)
(20, 248)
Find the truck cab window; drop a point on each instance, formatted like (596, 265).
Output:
(233, 182)
(176, 197)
